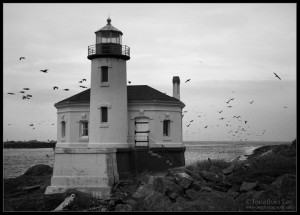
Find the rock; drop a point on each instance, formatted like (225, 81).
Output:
(180, 199)
(206, 189)
(215, 186)
(28, 189)
(285, 184)
(39, 170)
(265, 186)
(162, 185)
(224, 184)
(183, 179)
(173, 196)
(176, 207)
(157, 202)
(197, 185)
(233, 193)
(247, 186)
(143, 191)
(209, 176)
(192, 194)
(212, 201)
(123, 207)
(235, 166)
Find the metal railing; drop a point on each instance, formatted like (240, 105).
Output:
(108, 49)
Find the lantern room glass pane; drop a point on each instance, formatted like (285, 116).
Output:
(105, 37)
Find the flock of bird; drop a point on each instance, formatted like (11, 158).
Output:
(237, 127)
(25, 92)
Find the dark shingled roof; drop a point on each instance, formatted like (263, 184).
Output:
(134, 93)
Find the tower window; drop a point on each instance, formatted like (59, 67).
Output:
(104, 74)
(84, 128)
(166, 128)
(63, 129)
(104, 114)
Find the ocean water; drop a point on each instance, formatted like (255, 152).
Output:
(17, 161)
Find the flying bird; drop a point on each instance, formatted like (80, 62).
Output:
(11, 93)
(22, 92)
(284, 107)
(251, 102)
(80, 81)
(229, 106)
(55, 87)
(26, 89)
(246, 121)
(83, 86)
(221, 118)
(220, 111)
(21, 58)
(84, 79)
(129, 82)
(24, 97)
(31, 125)
(187, 80)
(191, 120)
(205, 127)
(44, 70)
(66, 89)
(277, 76)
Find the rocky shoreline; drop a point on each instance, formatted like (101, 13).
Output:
(214, 185)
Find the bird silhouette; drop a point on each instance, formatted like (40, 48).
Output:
(80, 81)
(187, 80)
(284, 107)
(205, 127)
(129, 82)
(251, 102)
(221, 118)
(229, 106)
(21, 58)
(191, 120)
(66, 89)
(11, 93)
(29, 96)
(83, 86)
(44, 70)
(220, 111)
(26, 88)
(83, 79)
(246, 121)
(277, 76)
(24, 97)
(188, 125)
(22, 92)
(31, 125)
(55, 87)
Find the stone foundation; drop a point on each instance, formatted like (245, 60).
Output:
(91, 170)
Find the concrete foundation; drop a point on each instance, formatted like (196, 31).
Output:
(91, 170)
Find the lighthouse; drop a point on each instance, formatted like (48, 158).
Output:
(112, 131)
(108, 96)
(87, 162)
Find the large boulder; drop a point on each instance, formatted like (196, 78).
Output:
(143, 191)
(183, 179)
(209, 176)
(157, 202)
(163, 185)
(39, 170)
(247, 186)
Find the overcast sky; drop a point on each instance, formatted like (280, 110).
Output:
(227, 50)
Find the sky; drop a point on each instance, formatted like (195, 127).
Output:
(227, 50)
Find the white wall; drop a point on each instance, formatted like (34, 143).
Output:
(156, 114)
(72, 114)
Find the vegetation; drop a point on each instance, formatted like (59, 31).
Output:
(29, 144)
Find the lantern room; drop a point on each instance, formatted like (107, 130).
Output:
(109, 44)
(109, 34)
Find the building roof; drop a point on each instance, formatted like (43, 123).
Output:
(109, 27)
(134, 93)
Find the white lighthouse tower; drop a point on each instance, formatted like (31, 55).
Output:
(108, 99)
(90, 165)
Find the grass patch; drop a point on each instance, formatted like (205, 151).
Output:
(205, 165)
